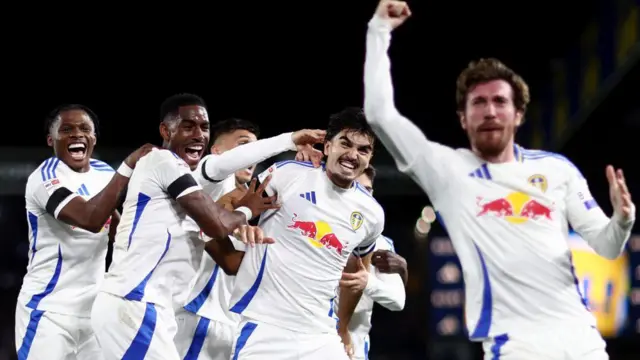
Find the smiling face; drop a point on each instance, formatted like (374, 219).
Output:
(186, 133)
(348, 154)
(72, 137)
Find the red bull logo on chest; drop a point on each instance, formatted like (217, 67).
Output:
(319, 233)
(516, 208)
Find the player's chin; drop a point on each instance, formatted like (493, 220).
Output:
(192, 158)
(76, 161)
(243, 176)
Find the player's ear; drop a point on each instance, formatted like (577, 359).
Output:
(215, 150)
(463, 120)
(164, 131)
(49, 140)
(518, 118)
(327, 145)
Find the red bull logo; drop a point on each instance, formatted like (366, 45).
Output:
(319, 233)
(516, 208)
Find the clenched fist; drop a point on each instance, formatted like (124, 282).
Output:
(397, 12)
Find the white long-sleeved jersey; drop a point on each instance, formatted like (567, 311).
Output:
(66, 263)
(508, 222)
(385, 289)
(212, 288)
(292, 283)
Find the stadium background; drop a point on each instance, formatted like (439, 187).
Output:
(288, 67)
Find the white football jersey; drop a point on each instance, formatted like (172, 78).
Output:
(66, 263)
(154, 257)
(215, 173)
(293, 283)
(508, 222)
(385, 289)
(209, 297)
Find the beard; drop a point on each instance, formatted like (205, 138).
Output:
(491, 143)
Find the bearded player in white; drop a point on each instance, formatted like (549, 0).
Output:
(507, 209)
(285, 292)
(384, 283)
(205, 324)
(70, 200)
(154, 258)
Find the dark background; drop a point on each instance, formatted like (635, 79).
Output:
(288, 66)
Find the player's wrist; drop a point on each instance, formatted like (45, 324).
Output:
(380, 23)
(125, 170)
(246, 211)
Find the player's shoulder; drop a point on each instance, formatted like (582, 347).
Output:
(293, 166)
(550, 160)
(367, 201)
(289, 168)
(48, 170)
(156, 156)
(101, 166)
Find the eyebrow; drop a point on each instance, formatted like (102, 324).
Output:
(367, 146)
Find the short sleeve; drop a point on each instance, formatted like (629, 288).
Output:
(173, 174)
(48, 188)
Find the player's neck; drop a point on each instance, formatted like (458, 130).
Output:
(505, 156)
(82, 169)
(335, 181)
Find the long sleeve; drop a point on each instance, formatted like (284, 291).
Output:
(606, 236)
(218, 167)
(387, 290)
(425, 161)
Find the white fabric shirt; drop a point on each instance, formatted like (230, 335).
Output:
(66, 263)
(508, 222)
(209, 297)
(293, 283)
(154, 257)
(385, 289)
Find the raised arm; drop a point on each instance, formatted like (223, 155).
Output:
(413, 153)
(216, 168)
(65, 205)
(606, 236)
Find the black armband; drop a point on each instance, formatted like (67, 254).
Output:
(56, 199)
(181, 184)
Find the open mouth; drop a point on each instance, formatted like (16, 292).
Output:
(78, 151)
(194, 152)
(347, 165)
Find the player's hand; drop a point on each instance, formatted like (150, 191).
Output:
(133, 158)
(357, 281)
(251, 235)
(230, 200)
(308, 137)
(308, 153)
(255, 202)
(388, 262)
(396, 12)
(348, 344)
(620, 195)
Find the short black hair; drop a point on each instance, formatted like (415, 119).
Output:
(371, 172)
(350, 119)
(172, 104)
(53, 115)
(232, 124)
